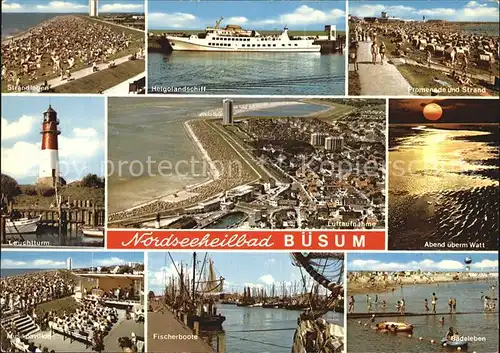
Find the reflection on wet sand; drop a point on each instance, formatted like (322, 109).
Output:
(443, 188)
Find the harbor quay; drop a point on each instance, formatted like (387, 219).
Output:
(169, 331)
(195, 309)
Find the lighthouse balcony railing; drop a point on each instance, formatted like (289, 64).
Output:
(47, 120)
(50, 131)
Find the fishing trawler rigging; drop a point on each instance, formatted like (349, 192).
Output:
(234, 38)
(314, 333)
(205, 293)
(197, 296)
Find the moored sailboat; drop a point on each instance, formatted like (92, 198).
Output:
(206, 293)
(22, 225)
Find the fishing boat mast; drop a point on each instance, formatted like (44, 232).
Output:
(194, 276)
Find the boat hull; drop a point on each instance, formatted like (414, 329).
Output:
(93, 233)
(186, 44)
(207, 321)
(22, 226)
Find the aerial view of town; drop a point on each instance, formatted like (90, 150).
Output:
(247, 164)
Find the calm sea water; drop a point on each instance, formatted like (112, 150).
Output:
(489, 29)
(153, 128)
(443, 186)
(363, 339)
(247, 319)
(250, 73)
(6, 272)
(48, 236)
(13, 23)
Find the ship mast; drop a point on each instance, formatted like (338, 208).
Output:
(194, 276)
(218, 22)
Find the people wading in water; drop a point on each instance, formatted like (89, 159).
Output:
(433, 302)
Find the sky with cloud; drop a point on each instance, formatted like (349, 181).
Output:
(480, 10)
(57, 259)
(434, 262)
(257, 15)
(81, 143)
(72, 6)
(238, 269)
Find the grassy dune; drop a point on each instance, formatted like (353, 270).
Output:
(423, 77)
(96, 195)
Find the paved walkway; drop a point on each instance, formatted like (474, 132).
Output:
(59, 343)
(121, 89)
(164, 323)
(85, 72)
(124, 328)
(379, 80)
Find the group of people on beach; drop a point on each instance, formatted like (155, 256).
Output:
(59, 46)
(401, 304)
(91, 320)
(444, 47)
(23, 293)
(117, 293)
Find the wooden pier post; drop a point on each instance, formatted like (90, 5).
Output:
(63, 222)
(196, 328)
(185, 319)
(93, 218)
(221, 343)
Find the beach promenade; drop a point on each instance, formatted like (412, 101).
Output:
(55, 82)
(379, 80)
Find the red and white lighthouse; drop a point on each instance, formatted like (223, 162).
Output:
(49, 157)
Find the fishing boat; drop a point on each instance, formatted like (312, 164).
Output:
(233, 38)
(247, 299)
(327, 271)
(296, 306)
(395, 326)
(454, 344)
(206, 292)
(22, 225)
(93, 232)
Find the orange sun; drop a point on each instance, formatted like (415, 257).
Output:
(433, 111)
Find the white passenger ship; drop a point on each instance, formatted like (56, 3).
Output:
(233, 38)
